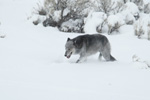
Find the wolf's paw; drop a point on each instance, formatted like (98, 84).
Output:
(78, 61)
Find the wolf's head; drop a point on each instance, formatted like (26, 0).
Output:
(70, 48)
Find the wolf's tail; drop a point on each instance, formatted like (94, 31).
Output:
(112, 58)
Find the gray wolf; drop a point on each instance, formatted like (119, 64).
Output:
(86, 45)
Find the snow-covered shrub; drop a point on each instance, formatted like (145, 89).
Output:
(38, 19)
(118, 7)
(125, 1)
(147, 8)
(142, 26)
(38, 15)
(49, 22)
(148, 31)
(60, 11)
(131, 9)
(139, 3)
(41, 10)
(129, 19)
(72, 26)
(139, 28)
(114, 23)
(56, 12)
(94, 21)
(136, 16)
(130, 13)
(108, 6)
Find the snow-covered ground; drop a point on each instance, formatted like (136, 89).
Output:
(33, 66)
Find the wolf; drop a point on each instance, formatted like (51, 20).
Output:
(86, 45)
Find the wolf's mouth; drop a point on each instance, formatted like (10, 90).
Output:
(69, 55)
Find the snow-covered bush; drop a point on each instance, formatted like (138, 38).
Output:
(38, 19)
(60, 11)
(130, 13)
(148, 31)
(131, 8)
(147, 8)
(114, 23)
(72, 26)
(94, 22)
(57, 12)
(125, 1)
(139, 3)
(129, 19)
(139, 28)
(39, 14)
(40, 10)
(108, 6)
(142, 26)
(99, 15)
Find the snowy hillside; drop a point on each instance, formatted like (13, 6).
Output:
(33, 66)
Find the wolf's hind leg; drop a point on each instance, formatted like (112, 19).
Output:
(108, 56)
(100, 57)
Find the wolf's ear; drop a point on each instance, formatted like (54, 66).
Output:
(68, 39)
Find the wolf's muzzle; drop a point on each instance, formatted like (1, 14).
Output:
(68, 56)
(65, 54)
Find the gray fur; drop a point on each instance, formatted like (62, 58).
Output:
(86, 45)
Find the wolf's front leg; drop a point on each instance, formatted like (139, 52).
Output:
(78, 61)
(81, 59)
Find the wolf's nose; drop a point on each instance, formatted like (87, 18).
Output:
(65, 54)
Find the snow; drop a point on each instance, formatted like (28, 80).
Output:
(142, 23)
(93, 20)
(71, 25)
(131, 8)
(113, 19)
(33, 66)
(66, 11)
(146, 1)
(57, 16)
